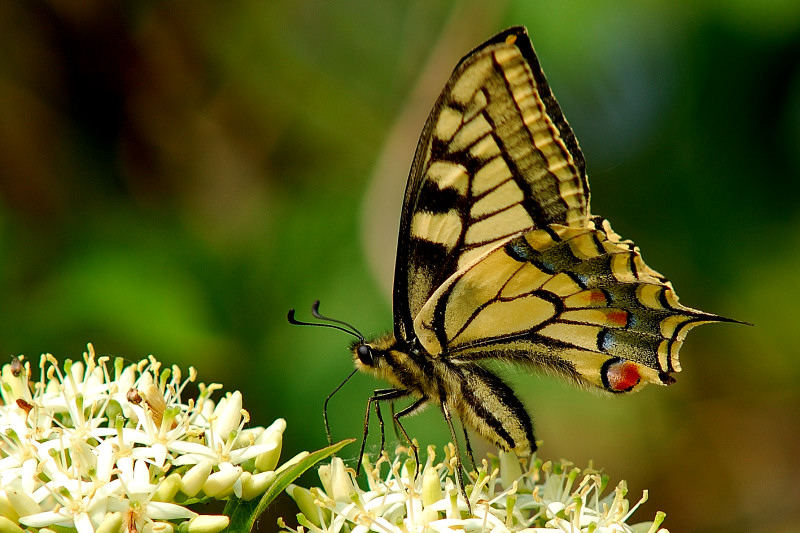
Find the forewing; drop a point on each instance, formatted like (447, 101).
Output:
(496, 158)
(573, 300)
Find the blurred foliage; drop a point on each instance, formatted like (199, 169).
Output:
(175, 175)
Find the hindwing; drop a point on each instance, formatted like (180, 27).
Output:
(574, 300)
(496, 159)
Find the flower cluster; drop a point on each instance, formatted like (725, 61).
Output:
(505, 495)
(98, 445)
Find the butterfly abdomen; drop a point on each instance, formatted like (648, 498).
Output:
(484, 402)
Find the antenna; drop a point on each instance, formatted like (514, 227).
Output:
(315, 311)
(317, 314)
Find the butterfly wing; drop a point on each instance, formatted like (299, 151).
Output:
(496, 158)
(579, 301)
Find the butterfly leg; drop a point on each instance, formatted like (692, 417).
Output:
(377, 396)
(459, 467)
(394, 424)
(405, 412)
(468, 445)
(380, 423)
(325, 406)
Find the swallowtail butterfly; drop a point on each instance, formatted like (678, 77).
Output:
(499, 257)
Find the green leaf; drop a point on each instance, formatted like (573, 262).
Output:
(243, 514)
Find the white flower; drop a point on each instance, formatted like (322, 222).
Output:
(505, 495)
(98, 446)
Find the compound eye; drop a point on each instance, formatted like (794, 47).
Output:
(365, 354)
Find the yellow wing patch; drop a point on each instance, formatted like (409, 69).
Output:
(448, 175)
(438, 228)
(506, 221)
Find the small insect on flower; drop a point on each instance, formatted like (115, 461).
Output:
(98, 445)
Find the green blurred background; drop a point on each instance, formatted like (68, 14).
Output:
(175, 175)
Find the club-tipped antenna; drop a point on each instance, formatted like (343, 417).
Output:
(353, 331)
(317, 314)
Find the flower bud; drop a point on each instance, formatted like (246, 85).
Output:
(305, 502)
(342, 489)
(268, 460)
(158, 527)
(273, 436)
(431, 487)
(292, 462)
(193, 480)
(255, 484)
(278, 426)
(6, 509)
(229, 414)
(7, 526)
(220, 483)
(22, 503)
(208, 523)
(168, 488)
(110, 524)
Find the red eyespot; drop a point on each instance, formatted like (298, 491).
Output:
(622, 376)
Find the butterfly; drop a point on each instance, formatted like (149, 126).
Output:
(500, 258)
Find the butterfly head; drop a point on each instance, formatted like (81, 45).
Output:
(364, 354)
(370, 356)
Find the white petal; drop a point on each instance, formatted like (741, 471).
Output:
(83, 524)
(243, 454)
(191, 447)
(127, 378)
(168, 511)
(193, 459)
(125, 466)
(47, 518)
(29, 478)
(159, 454)
(140, 483)
(136, 436)
(553, 508)
(105, 461)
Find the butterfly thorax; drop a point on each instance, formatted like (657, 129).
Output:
(479, 398)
